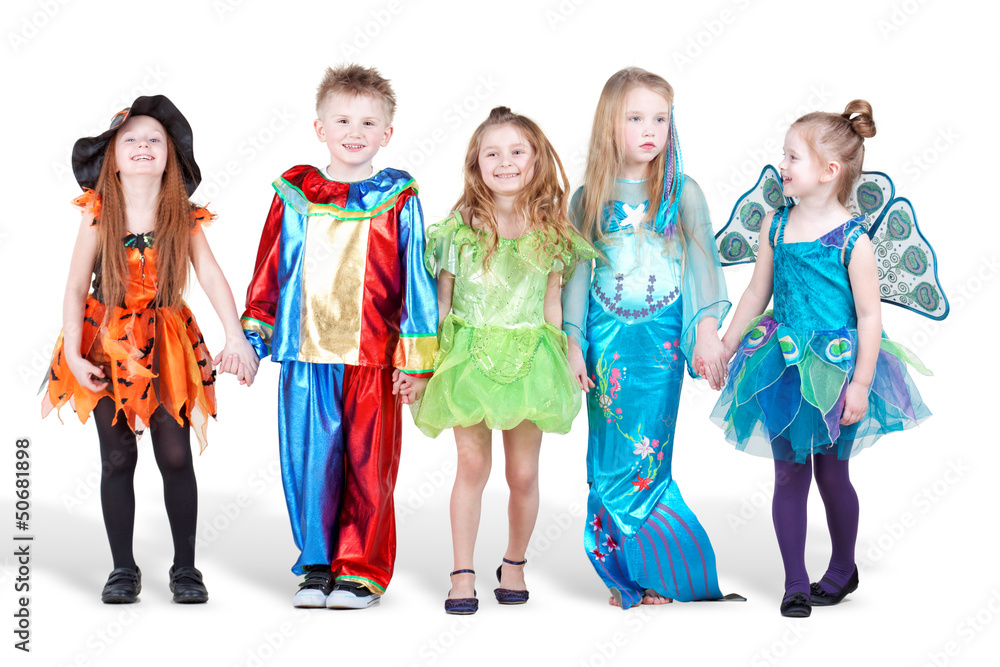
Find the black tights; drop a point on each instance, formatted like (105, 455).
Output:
(119, 453)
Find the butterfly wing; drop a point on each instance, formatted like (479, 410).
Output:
(739, 240)
(871, 194)
(907, 264)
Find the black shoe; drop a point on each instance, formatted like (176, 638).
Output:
(315, 588)
(187, 586)
(124, 584)
(508, 595)
(350, 595)
(820, 598)
(796, 605)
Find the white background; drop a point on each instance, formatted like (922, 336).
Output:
(244, 73)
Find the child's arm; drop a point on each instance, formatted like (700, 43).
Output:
(553, 303)
(238, 355)
(81, 267)
(709, 352)
(863, 273)
(446, 288)
(757, 294)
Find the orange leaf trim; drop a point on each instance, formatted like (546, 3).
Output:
(90, 202)
(201, 217)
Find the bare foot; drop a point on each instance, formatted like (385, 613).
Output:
(512, 577)
(652, 597)
(463, 587)
(613, 602)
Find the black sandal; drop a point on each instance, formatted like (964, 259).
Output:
(508, 595)
(462, 606)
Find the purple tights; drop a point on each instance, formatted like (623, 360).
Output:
(791, 491)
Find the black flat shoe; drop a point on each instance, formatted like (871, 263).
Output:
(462, 606)
(508, 595)
(820, 598)
(187, 586)
(123, 586)
(796, 605)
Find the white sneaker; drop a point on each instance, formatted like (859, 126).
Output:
(348, 595)
(314, 589)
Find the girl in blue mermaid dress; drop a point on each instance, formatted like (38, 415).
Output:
(655, 296)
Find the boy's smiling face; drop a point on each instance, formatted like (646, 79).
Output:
(353, 127)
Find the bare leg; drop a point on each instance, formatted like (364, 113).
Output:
(521, 446)
(475, 457)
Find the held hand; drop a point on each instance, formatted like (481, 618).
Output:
(578, 367)
(409, 388)
(710, 360)
(238, 358)
(855, 403)
(87, 374)
(411, 393)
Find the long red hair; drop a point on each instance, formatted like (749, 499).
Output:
(172, 232)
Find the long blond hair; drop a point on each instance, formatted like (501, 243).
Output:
(172, 233)
(605, 157)
(542, 203)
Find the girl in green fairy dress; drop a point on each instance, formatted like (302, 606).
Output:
(500, 259)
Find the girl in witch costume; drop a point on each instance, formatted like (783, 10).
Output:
(131, 353)
(654, 301)
(814, 381)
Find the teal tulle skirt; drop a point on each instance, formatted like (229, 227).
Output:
(785, 394)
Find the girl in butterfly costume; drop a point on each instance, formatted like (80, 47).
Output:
(652, 302)
(814, 381)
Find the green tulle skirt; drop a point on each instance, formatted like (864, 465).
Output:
(500, 376)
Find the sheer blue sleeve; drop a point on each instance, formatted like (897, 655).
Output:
(703, 290)
(576, 292)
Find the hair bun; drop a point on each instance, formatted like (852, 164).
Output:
(501, 115)
(859, 113)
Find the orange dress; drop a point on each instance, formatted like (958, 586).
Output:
(153, 356)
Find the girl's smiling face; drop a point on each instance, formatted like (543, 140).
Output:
(801, 168)
(506, 160)
(141, 147)
(644, 130)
